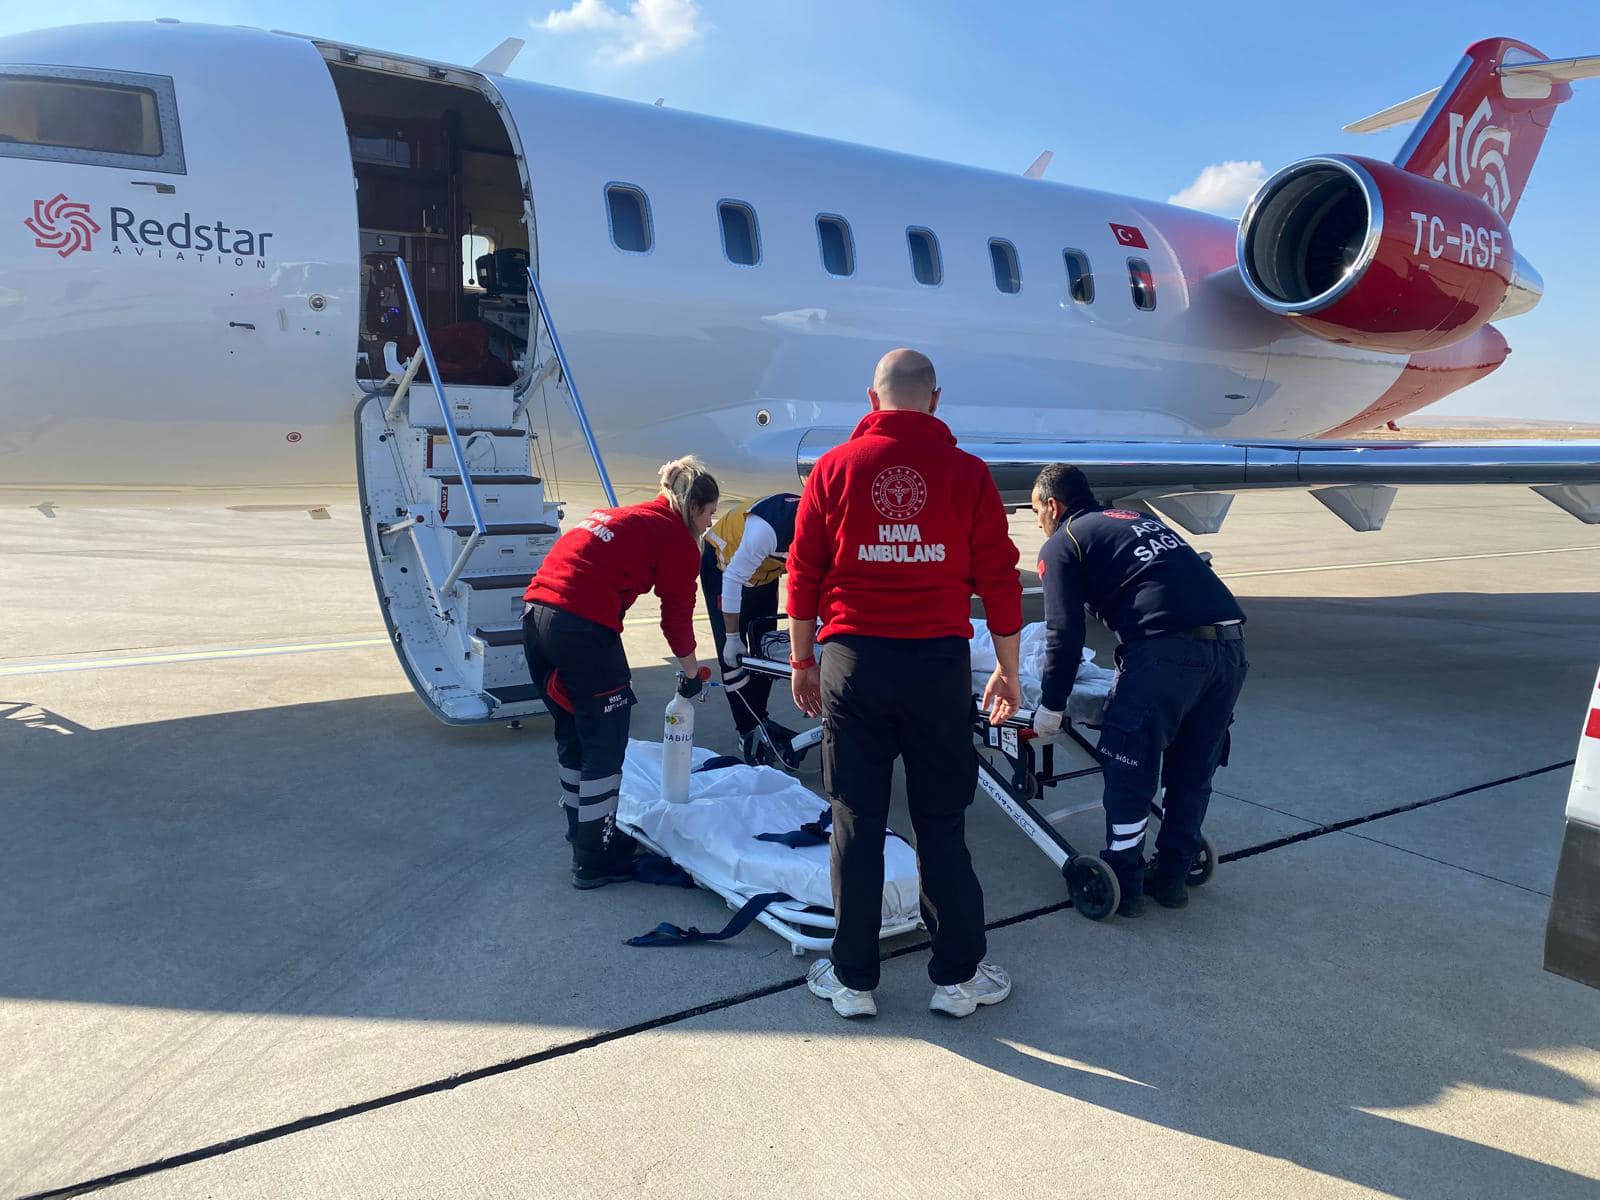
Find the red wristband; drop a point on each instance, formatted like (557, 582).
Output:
(803, 664)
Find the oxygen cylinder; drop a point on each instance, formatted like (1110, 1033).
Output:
(677, 738)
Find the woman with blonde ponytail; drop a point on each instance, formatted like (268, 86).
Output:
(693, 494)
(572, 635)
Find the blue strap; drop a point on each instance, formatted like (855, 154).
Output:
(659, 869)
(720, 762)
(666, 934)
(814, 833)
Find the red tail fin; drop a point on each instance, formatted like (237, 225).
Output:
(1485, 126)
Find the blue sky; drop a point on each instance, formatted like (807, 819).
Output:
(1131, 98)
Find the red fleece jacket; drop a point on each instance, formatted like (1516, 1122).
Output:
(897, 531)
(598, 568)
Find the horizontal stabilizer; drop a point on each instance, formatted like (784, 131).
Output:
(1520, 81)
(1396, 114)
(1555, 70)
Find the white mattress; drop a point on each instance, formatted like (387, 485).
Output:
(1091, 689)
(713, 836)
(1086, 705)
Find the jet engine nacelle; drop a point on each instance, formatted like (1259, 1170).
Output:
(1363, 253)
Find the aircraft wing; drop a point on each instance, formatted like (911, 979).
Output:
(1354, 479)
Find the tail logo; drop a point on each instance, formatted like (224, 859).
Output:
(1477, 146)
(62, 225)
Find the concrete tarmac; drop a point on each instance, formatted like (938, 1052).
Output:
(267, 929)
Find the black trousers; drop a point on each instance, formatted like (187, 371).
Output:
(1166, 725)
(888, 698)
(747, 693)
(582, 676)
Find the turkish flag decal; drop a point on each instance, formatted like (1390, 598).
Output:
(1129, 235)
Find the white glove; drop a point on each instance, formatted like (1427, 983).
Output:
(730, 651)
(1046, 722)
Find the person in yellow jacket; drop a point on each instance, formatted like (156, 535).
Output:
(745, 554)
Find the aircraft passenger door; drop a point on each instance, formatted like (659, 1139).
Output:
(184, 243)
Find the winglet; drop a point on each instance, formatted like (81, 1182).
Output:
(498, 61)
(1037, 170)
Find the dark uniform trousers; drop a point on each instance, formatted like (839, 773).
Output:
(582, 675)
(1166, 726)
(747, 693)
(910, 698)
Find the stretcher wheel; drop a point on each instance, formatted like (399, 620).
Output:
(1092, 885)
(1205, 865)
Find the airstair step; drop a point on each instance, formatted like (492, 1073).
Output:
(466, 427)
(473, 407)
(519, 693)
(491, 583)
(495, 453)
(464, 529)
(454, 479)
(509, 636)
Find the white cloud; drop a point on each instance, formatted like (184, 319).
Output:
(650, 29)
(1222, 187)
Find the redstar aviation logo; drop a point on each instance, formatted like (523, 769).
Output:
(62, 225)
(899, 493)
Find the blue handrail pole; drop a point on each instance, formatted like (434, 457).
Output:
(444, 404)
(572, 389)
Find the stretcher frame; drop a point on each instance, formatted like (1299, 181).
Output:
(1016, 780)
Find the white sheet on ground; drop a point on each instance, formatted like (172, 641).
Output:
(713, 836)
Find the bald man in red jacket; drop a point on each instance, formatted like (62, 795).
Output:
(897, 530)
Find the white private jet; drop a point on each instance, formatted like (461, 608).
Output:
(227, 256)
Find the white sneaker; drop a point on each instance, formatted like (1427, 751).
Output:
(988, 985)
(847, 1002)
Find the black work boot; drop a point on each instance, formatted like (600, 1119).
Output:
(601, 854)
(1168, 888)
(1130, 882)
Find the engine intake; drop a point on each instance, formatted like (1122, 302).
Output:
(1362, 253)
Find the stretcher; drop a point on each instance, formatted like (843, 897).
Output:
(1016, 767)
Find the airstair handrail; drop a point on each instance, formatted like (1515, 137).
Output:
(479, 530)
(572, 388)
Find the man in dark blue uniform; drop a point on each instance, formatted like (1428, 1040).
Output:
(1180, 668)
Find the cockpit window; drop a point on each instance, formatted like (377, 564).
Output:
(97, 118)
